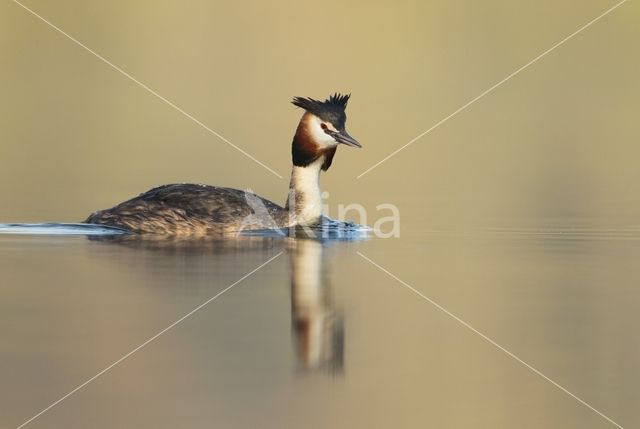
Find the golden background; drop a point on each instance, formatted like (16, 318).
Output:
(557, 142)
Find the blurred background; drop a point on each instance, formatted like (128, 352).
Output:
(557, 143)
(520, 214)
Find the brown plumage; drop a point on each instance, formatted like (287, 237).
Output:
(183, 209)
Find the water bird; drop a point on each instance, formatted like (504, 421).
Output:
(195, 209)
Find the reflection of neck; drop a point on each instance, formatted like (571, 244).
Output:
(307, 299)
(318, 328)
(304, 193)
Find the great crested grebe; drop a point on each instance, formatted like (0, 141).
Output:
(202, 209)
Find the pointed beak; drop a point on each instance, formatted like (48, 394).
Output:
(345, 138)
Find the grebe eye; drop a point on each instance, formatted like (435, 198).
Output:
(323, 125)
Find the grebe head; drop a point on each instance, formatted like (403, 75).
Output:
(321, 130)
(327, 120)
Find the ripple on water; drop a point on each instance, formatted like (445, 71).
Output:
(329, 229)
(59, 229)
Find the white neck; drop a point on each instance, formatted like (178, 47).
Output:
(304, 194)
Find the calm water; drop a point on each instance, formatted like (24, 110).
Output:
(319, 337)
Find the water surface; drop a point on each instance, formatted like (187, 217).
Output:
(319, 337)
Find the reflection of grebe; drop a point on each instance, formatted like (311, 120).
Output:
(317, 327)
(200, 209)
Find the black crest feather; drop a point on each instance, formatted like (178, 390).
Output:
(330, 110)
